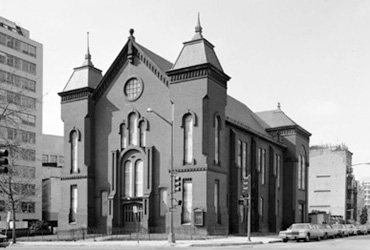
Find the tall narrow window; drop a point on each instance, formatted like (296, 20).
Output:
(142, 134)
(303, 164)
(139, 178)
(128, 178)
(263, 167)
(188, 139)
(217, 201)
(261, 208)
(217, 140)
(163, 208)
(133, 136)
(188, 202)
(123, 136)
(259, 160)
(104, 203)
(299, 172)
(239, 163)
(278, 170)
(73, 204)
(74, 151)
(244, 160)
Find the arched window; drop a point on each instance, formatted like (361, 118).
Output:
(188, 139)
(74, 138)
(217, 139)
(133, 178)
(139, 166)
(142, 134)
(133, 136)
(123, 136)
(299, 172)
(128, 178)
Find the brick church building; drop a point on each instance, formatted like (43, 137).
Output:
(123, 130)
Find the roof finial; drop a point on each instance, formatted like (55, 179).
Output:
(198, 29)
(131, 31)
(278, 106)
(88, 55)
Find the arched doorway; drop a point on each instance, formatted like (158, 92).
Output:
(132, 190)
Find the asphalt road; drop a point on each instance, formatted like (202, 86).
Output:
(350, 243)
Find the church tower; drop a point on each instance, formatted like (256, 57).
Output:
(198, 89)
(77, 173)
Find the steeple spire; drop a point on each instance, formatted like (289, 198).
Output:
(198, 30)
(87, 61)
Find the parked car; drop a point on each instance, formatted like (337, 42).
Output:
(3, 241)
(328, 231)
(301, 231)
(352, 229)
(342, 230)
(361, 229)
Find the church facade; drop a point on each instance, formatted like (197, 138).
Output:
(150, 134)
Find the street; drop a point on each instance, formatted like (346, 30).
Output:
(353, 243)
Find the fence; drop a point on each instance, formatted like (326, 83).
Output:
(96, 234)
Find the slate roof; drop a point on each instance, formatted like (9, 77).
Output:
(238, 113)
(274, 119)
(197, 52)
(85, 76)
(277, 119)
(162, 63)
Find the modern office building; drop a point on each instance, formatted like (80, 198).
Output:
(332, 185)
(21, 67)
(148, 123)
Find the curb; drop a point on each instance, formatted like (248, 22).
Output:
(226, 244)
(274, 241)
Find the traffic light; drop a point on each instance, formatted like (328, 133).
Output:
(178, 184)
(246, 185)
(4, 161)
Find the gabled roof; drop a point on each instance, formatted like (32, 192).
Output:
(157, 64)
(239, 113)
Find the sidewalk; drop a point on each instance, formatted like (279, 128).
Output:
(228, 241)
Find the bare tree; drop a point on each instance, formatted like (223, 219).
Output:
(17, 110)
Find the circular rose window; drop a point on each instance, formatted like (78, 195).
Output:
(133, 89)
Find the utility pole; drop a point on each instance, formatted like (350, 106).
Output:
(246, 192)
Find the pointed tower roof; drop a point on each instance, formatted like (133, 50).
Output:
(198, 51)
(84, 76)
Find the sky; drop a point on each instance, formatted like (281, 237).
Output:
(311, 56)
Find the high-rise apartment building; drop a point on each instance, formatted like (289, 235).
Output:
(21, 65)
(332, 186)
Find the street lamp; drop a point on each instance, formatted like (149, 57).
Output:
(364, 163)
(171, 234)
